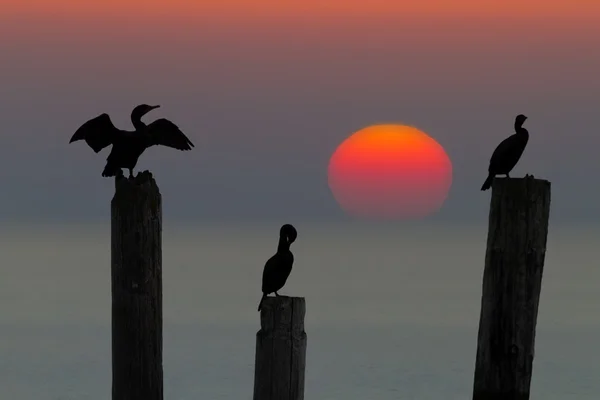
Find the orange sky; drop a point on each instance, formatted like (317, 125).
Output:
(528, 9)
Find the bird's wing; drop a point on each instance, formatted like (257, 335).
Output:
(164, 132)
(98, 132)
(268, 273)
(501, 150)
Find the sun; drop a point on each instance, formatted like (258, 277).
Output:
(390, 171)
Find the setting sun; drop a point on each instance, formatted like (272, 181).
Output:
(390, 171)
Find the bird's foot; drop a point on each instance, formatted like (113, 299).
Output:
(276, 294)
(507, 175)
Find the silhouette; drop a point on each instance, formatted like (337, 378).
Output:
(278, 268)
(128, 146)
(508, 153)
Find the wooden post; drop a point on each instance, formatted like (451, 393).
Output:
(136, 274)
(512, 281)
(280, 350)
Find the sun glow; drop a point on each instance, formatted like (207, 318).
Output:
(390, 171)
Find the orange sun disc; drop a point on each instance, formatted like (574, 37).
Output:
(390, 171)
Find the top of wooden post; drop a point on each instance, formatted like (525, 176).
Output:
(142, 182)
(524, 186)
(519, 208)
(283, 313)
(142, 178)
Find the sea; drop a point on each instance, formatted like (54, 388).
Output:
(392, 311)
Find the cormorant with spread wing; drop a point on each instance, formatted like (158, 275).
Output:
(508, 153)
(128, 146)
(278, 268)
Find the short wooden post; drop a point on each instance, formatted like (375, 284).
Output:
(136, 271)
(512, 281)
(280, 350)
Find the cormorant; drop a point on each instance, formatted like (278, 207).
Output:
(128, 146)
(508, 153)
(278, 268)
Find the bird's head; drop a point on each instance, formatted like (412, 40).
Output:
(520, 120)
(289, 232)
(141, 110)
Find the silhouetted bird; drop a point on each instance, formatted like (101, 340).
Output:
(278, 268)
(128, 146)
(508, 153)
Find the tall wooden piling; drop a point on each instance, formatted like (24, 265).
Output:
(280, 350)
(512, 280)
(136, 276)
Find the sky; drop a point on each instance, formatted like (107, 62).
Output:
(266, 90)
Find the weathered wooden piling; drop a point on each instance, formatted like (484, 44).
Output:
(280, 350)
(136, 276)
(512, 280)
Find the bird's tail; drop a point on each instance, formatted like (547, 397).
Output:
(488, 182)
(261, 301)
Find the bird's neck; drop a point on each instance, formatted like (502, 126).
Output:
(283, 245)
(519, 127)
(521, 131)
(137, 122)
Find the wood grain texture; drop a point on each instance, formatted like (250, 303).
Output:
(280, 350)
(512, 280)
(136, 274)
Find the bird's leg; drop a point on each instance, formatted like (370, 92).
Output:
(276, 294)
(508, 176)
(130, 173)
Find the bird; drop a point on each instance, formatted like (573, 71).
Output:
(128, 146)
(278, 267)
(508, 153)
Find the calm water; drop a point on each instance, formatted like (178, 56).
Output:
(392, 313)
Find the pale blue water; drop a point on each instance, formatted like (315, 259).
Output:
(392, 313)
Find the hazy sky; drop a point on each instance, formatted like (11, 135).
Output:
(267, 90)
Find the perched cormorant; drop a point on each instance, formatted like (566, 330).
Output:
(278, 268)
(128, 146)
(508, 153)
